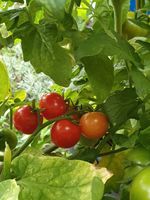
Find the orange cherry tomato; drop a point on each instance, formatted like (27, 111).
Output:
(94, 125)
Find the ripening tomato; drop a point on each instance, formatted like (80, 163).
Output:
(94, 125)
(65, 134)
(140, 187)
(25, 119)
(52, 105)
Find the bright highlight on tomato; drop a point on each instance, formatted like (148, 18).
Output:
(52, 105)
(94, 125)
(140, 188)
(26, 120)
(65, 134)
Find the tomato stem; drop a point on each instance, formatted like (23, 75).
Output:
(11, 118)
(117, 6)
(49, 149)
(71, 7)
(113, 151)
(36, 132)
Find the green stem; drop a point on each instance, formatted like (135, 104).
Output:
(137, 4)
(102, 143)
(11, 118)
(33, 104)
(129, 75)
(49, 149)
(71, 7)
(36, 132)
(113, 152)
(117, 6)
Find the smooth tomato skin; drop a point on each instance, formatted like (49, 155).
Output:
(136, 159)
(65, 134)
(93, 125)
(140, 187)
(53, 105)
(26, 120)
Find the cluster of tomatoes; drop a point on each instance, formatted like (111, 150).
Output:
(65, 133)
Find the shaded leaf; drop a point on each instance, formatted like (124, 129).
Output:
(100, 74)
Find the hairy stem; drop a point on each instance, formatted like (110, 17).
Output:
(117, 6)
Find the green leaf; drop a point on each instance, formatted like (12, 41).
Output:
(121, 106)
(100, 73)
(109, 45)
(47, 57)
(142, 84)
(9, 190)
(20, 95)
(78, 2)
(54, 8)
(7, 163)
(53, 178)
(96, 43)
(4, 82)
(144, 138)
(13, 17)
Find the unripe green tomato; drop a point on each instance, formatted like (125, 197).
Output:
(131, 30)
(139, 155)
(7, 135)
(140, 187)
(137, 159)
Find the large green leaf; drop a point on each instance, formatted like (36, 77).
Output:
(9, 190)
(109, 45)
(47, 57)
(100, 73)
(4, 82)
(142, 84)
(54, 8)
(144, 138)
(53, 178)
(121, 106)
(96, 43)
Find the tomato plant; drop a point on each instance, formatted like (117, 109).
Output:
(65, 134)
(26, 120)
(89, 52)
(52, 105)
(94, 124)
(140, 188)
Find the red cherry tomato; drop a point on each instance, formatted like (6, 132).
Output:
(26, 120)
(65, 134)
(52, 105)
(94, 124)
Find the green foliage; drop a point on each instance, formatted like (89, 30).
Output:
(5, 83)
(12, 190)
(52, 177)
(80, 46)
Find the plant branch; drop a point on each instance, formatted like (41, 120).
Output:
(117, 6)
(71, 7)
(36, 132)
(113, 151)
